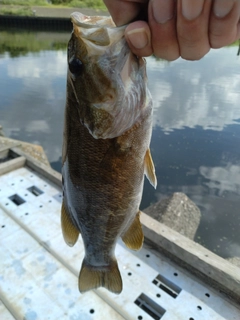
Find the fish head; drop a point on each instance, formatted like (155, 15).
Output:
(106, 79)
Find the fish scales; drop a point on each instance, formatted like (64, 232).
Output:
(108, 125)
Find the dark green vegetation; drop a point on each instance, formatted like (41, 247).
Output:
(25, 2)
(17, 11)
(96, 4)
(23, 7)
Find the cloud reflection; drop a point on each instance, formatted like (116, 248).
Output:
(36, 85)
(222, 178)
(49, 64)
(188, 94)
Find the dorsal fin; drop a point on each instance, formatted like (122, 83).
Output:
(150, 169)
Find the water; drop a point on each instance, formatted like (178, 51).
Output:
(196, 135)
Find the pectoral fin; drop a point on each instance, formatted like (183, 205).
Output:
(133, 237)
(70, 232)
(91, 277)
(150, 169)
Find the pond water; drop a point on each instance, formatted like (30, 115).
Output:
(196, 135)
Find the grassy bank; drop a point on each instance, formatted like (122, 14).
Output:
(94, 4)
(24, 7)
(16, 10)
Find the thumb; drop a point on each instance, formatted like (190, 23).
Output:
(126, 11)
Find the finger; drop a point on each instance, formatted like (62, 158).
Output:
(125, 11)
(162, 20)
(192, 28)
(138, 36)
(224, 24)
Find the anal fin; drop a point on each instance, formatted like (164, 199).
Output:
(91, 277)
(70, 232)
(133, 237)
(150, 169)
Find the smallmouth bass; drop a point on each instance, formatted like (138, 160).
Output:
(107, 132)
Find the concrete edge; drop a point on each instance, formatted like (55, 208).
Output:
(216, 271)
(41, 168)
(12, 164)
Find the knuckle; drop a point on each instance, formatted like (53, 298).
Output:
(189, 41)
(169, 56)
(169, 52)
(220, 39)
(193, 55)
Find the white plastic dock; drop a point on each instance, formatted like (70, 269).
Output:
(39, 272)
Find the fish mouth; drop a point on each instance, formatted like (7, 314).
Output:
(84, 21)
(98, 30)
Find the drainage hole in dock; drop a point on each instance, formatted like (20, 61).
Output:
(17, 199)
(158, 295)
(3, 226)
(6, 204)
(12, 184)
(138, 265)
(26, 214)
(35, 191)
(140, 317)
(129, 273)
(91, 311)
(26, 195)
(40, 206)
(199, 307)
(50, 201)
(148, 255)
(21, 180)
(153, 309)
(175, 274)
(166, 285)
(207, 295)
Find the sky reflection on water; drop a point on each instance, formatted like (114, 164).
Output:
(202, 93)
(196, 136)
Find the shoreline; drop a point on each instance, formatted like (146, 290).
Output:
(53, 12)
(45, 18)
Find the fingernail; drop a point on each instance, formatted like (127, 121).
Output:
(222, 8)
(163, 10)
(191, 9)
(138, 38)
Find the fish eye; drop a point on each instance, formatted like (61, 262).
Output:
(75, 66)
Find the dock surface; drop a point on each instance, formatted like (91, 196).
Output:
(39, 272)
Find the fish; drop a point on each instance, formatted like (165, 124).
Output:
(105, 154)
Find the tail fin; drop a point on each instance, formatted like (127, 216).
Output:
(91, 277)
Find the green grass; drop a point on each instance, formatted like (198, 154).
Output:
(23, 7)
(17, 11)
(25, 2)
(95, 4)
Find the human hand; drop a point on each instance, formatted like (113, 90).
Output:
(174, 28)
